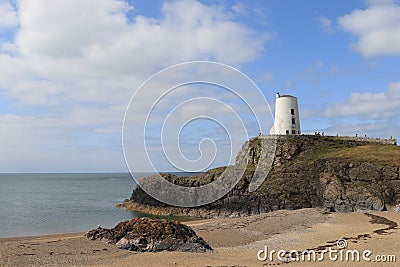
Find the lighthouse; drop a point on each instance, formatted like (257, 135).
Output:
(287, 119)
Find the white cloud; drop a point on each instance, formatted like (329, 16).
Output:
(68, 29)
(62, 142)
(377, 28)
(67, 41)
(8, 15)
(377, 106)
(326, 24)
(75, 64)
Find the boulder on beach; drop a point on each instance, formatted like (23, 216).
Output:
(151, 235)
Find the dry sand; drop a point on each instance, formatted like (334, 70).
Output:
(236, 242)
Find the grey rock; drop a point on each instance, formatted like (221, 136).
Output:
(151, 235)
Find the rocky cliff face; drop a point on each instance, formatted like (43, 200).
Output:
(307, 171)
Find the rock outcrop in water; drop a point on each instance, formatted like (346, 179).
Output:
(308, 171)
(151, 235)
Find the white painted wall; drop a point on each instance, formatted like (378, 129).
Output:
(284, 118)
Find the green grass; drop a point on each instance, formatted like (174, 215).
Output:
(387, 155)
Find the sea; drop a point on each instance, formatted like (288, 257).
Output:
(50, 203)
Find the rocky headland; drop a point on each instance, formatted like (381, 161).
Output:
(334, 173)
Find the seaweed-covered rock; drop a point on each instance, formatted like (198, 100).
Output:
(151, 235)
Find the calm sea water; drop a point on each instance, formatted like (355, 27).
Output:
(38, 204)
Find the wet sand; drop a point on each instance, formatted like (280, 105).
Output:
(236, 242)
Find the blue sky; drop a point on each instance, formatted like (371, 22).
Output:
(68, 70)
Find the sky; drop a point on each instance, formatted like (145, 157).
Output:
(68, 70)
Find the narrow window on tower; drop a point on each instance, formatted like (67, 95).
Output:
(293, 121)
(292, 111)
(287, 131)
(293, 131)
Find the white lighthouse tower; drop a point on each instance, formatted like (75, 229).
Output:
(287, 119)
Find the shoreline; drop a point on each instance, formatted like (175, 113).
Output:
(197, 221)
(235, 241)
(47, 236)
(190, 222)
(181, 219)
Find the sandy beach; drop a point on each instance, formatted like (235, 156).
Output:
(236, 242)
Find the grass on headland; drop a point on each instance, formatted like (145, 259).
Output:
(386, 155)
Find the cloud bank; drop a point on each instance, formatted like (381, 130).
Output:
(70, 67)
(376, 28)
